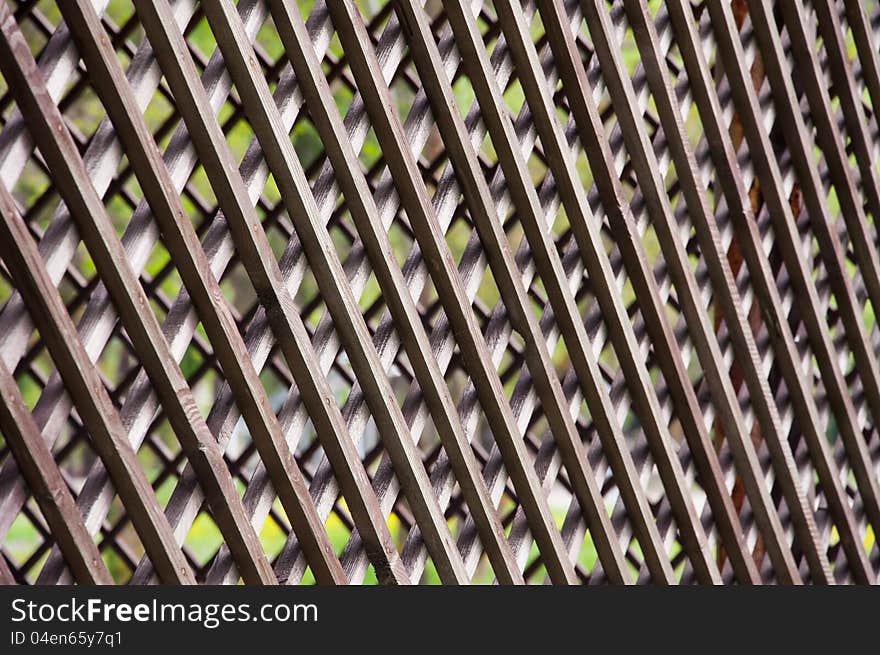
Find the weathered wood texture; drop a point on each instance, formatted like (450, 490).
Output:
(526, 291)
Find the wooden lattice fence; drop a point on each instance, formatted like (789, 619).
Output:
(463, 291)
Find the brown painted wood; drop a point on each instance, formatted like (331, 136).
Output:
(532, 289)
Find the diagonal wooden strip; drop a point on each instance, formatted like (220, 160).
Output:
(55, 143)
(646, 168)
(397, 296)
(331, 279)
(489, 226)
(833, 38)
(85, 387)
(786, 357)
(664, 341)
(48, 486)
(763, 279)
(229, 347)
(410, 187)
(574, 200)
(830, 247)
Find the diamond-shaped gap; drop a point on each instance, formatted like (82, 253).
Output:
(33, 370)
(270, 51)
(343, 233)
(205, 376)
(310, 301)
(119, 544)
(203, 539)
(36, 193)
(200, 39)
(872, 547)
(117, 363)
(404, 86)
(371, 152)
(125, 191)
(308, 145)
(237, 290)
(509, 354)
(82, 110)
(587, 558)
(233, 121)
(76, 292)
(341, 86)
(161, 116)
(401, 242)
(277, 379)
(200, 191)
(38, 23)
(161, 281)
(279, 231)
(273, 534)
(28, 542)
(75, 455)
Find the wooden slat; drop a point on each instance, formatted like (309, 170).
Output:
(85, 386)
(762, 277)
(48, 486)
(184, 246)
(673, 204)
(95, 227)
(366, 215)
(410, 188)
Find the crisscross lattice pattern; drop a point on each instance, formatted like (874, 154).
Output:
(400, 291)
